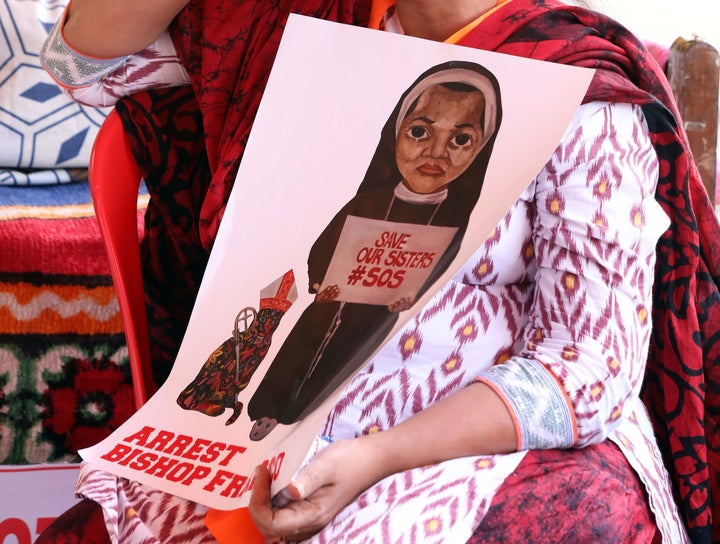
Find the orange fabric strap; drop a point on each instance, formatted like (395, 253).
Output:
(460, 34)
(377, 11)
(379, 7)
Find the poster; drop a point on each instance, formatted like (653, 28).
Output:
(33, 496)
(332, 171)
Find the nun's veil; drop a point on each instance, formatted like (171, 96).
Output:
(463, 192)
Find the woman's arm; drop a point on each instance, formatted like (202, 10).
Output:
(99, 71)
(108, 29)
(595, 232)
(579, 375)
(472, 421)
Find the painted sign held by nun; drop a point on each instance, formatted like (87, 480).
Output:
(383, 262)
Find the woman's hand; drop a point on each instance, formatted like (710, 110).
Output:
(474, 421)
(332, 479)
(330, 293)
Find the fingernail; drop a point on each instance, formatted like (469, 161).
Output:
(300, 489)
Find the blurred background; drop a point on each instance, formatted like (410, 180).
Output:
(664, 20)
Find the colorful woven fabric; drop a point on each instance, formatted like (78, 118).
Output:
(64, 377)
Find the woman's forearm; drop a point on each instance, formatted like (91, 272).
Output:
(109, 29)
(472, 421)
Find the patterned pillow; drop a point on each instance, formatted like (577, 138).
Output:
(46, 137)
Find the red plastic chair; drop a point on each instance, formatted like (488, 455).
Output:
(114, 183)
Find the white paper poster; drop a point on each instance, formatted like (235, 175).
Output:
(276, 330)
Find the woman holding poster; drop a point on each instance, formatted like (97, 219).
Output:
(433, 154)
(510, 409)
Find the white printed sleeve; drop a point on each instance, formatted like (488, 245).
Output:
(594, 234)
(102, 82)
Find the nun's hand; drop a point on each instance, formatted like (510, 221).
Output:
(401, 305)
(330, 293)
(332, 479)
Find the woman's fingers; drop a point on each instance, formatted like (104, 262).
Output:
(260, 506)
(296, 520)
(318, 492)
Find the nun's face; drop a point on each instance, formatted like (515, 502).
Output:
(439, 139)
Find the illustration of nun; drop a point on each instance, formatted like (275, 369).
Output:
(428, 169)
